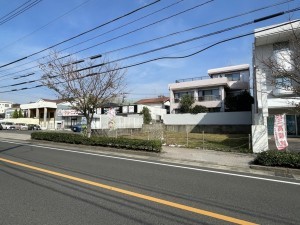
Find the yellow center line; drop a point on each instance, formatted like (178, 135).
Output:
(134, 194)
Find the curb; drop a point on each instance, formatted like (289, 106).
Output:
(277, 169)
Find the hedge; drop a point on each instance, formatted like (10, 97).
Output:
(278, 158)
(135, 144)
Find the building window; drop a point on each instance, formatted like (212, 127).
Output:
(282, 55)
(283, 83)
(178, 95)
(6, 105)
(233, 76)
(208, 95)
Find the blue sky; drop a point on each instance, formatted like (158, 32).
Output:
(23, 36)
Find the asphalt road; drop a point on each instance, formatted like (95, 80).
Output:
(65, 187)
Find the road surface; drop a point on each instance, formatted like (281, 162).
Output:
(41, 185)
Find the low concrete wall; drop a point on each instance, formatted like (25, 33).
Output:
(217, 118)
(218, 122)
(212, 129)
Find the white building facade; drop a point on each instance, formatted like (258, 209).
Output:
(4, 105)
(272, 95)
(210, 91)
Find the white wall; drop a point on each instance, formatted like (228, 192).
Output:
(218, 118)
(155, 112)
(102, 122)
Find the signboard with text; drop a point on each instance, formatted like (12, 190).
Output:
(67, 112)
(280, 132)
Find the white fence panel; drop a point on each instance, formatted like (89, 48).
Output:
(121, 122)
(217, 118)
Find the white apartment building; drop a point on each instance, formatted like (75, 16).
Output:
(4, 105)
(271, 94)
(210, 91)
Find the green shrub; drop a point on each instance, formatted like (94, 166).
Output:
(135, 144)
(278, 158)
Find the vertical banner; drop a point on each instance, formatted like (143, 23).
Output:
(111, 118)
(280, 132)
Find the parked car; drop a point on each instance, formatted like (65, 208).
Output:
(33, 127)
(78, 127)
(21, 126)
(8, 125)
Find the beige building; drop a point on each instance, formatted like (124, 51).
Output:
(210, 91)
(41, 112)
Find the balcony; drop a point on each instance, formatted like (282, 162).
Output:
(207, 98)
(192, 79)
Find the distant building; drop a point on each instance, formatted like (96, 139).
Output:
(159, 102)
(43, 111)
(210, 91)
(9, 112)
(4, 105)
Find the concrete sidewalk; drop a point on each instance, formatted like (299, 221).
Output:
(239, 162)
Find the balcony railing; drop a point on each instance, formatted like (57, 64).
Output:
(192, 79)
(209, 98)
(205, 98)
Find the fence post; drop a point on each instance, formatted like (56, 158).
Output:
(249, 138)
(148, 135)
(203, 140)
(166, 139)
(187, 137)
(116, 133)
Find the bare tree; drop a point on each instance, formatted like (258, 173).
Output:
(284, 64)
(86, 85)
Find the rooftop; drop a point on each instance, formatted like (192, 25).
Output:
(162, 99)
(228, 69)
(276, 33)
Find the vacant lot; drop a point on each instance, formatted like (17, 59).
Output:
(221, 142)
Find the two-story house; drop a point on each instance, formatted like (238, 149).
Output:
(274, 94)
(210, 91)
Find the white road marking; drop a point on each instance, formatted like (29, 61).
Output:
(157, 163)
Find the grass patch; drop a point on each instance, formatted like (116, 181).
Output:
(220, 142)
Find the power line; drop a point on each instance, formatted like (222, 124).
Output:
(130, 32)
(40, 28)
(117, 28)
(159, 58)
(83, 33)
(230, 28)
(9, 17)
(161, 37)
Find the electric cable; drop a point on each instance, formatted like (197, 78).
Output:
(171, 45)
(5, 20)
(161, 37)
(47, 24)
(7, 15)
(83, 33)
(114, 29)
